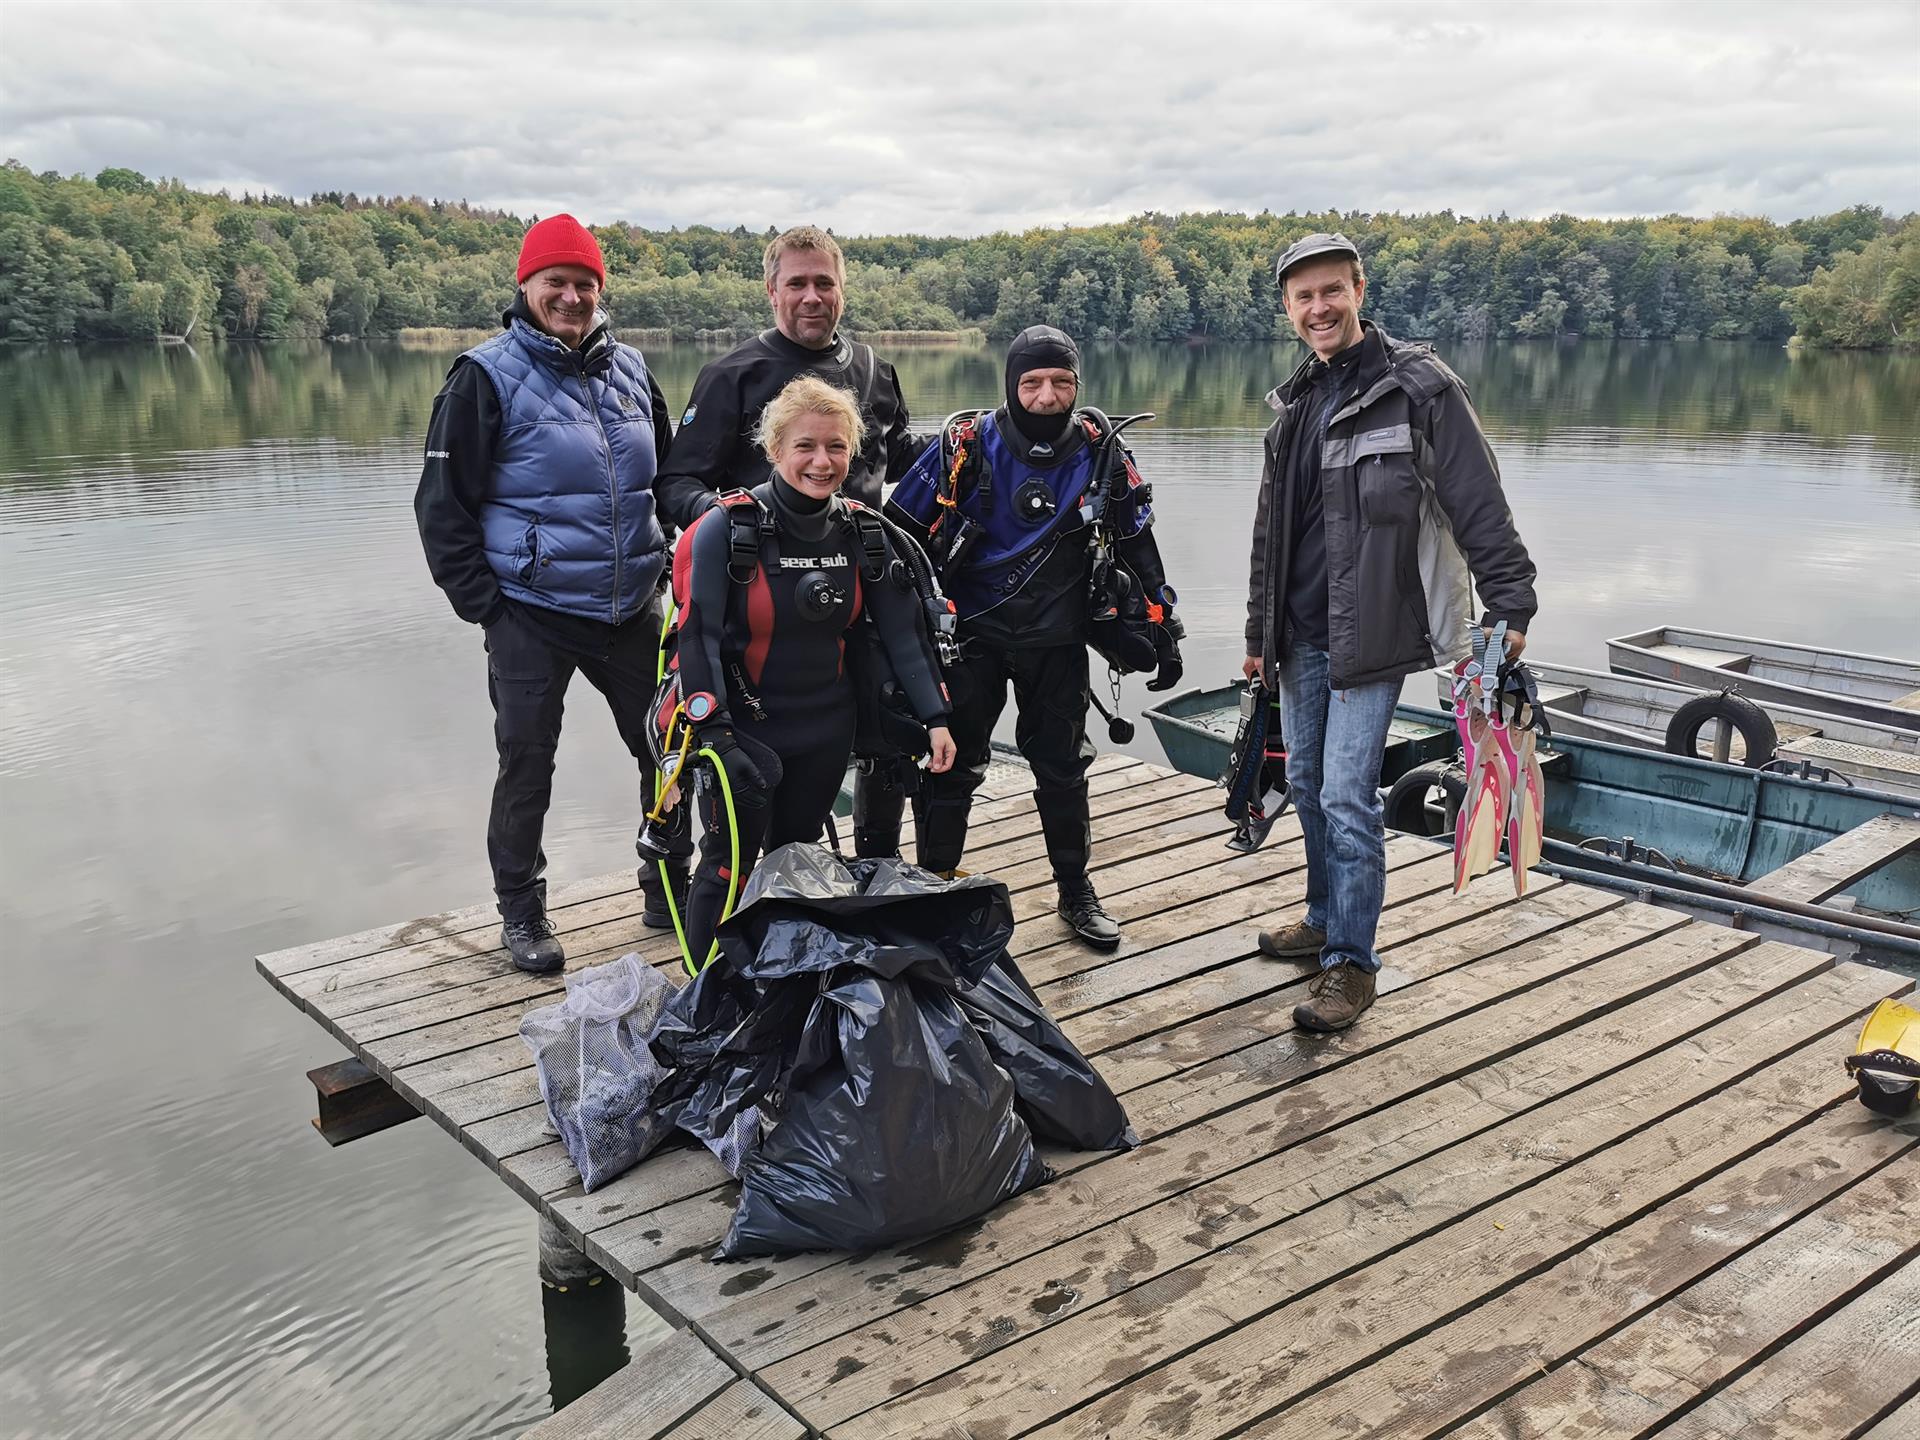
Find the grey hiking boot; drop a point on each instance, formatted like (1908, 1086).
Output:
(1341, 995)
(1080, 907)
(1298, 941)
(531, 944)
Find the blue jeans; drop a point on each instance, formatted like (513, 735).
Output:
(1334, 739)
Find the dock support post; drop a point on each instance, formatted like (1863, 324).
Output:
(586, 1317)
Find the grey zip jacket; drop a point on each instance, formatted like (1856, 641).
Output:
(1415, 519)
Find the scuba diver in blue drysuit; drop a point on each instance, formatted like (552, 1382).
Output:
(791, 598)
(1040, 528)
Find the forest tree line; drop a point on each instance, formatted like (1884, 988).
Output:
(120, 256)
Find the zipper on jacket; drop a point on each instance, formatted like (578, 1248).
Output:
(613, 478)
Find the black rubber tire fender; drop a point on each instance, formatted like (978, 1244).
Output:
(1406, 802)
(1754, 725)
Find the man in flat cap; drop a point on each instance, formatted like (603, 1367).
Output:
(1380, 511)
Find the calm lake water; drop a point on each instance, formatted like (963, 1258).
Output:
(238, 717)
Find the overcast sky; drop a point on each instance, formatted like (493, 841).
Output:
(963, 117)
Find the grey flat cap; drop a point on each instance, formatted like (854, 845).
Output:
(1308, 247)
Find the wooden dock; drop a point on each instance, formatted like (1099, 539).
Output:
(1588, 1168)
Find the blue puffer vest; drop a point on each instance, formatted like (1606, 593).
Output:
(570, 522)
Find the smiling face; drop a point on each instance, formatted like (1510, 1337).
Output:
(815, 451)
(1322, 299)
(1048, 392)
(563, 299)
(806, 297)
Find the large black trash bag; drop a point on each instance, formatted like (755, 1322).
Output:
(1059, 1092)
(832, 1007)
(1061, 1095)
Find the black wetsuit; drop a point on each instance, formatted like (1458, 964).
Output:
(771, 654)
(716, 450)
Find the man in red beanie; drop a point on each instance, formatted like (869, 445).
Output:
(536, 510)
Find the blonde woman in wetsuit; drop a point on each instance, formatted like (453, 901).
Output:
(762, 656)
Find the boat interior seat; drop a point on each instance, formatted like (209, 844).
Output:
(1843, 861)
(1854, 759)
(1787, 730)
(1908, 701)
(1713, 659)
(1571, 698)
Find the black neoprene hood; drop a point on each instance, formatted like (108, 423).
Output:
(1039, 347)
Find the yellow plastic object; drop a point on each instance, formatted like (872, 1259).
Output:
(1887, 1060)
(1891, 1026)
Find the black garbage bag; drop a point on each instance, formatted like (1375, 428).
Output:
(833, 1009)
(1062, 1096)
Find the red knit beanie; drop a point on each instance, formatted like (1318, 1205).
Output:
(560, 240)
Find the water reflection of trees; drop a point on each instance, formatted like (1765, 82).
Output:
(59, 403)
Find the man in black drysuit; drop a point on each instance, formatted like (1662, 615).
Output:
(1021, 583)
(716, 449)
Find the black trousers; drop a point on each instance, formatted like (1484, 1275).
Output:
(1050, 697)
(531, 657)
(794, 807)
(880, 789)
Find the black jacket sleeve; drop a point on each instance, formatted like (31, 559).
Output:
(903, 447)
(1466, 480)
(461, 437)
(704, 451)
(1258, 580)
(662, 428)
(703, 622)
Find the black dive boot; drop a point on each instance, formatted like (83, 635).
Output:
(531, 944)
(940, 833)
(1080, 907)
(654, 914)
(879, 803)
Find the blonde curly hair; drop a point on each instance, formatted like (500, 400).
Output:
(808, 395)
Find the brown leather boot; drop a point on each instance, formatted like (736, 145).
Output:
(1341, 995)
(1298, 941)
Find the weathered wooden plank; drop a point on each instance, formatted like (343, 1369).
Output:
(1843, 861)
(1231, 1382)
(640, 1194)
(646, 1398)
(422, 944)
(1902, 1422)
(1108, 772)
(1676, 1351)
(1278, 1060)
(611, 927)
(500, 1062)
(1085, 1354)
(1236, 916)
(457, 986)
(743, 1411)
(1175, 1159)
(1512, 1134)
(1425, 935)
(395, 1037)
(1834, 1379)
(1181, 1002)
(280, 965)
(676, 1232)
(1424, 1386)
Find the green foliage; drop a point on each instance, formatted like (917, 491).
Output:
(123, 256)
(1867, 298)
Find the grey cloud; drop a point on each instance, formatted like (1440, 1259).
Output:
(969, 117)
